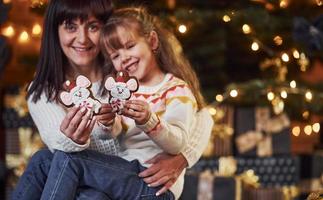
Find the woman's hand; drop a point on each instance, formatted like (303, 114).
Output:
(165, 170)
(137, 110)
(78, 124)
(106, 115)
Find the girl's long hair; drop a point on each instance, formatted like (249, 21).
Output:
(51, 68)
(169, 54)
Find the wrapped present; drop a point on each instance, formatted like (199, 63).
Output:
(275, 171)
(220, 143)
(258, 133)
(263, 194)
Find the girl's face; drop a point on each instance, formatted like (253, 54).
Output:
(135, 56)
(79, 41)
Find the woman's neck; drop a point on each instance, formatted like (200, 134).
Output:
(93, 72)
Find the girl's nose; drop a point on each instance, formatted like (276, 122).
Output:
(125, 58)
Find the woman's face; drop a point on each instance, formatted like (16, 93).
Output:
(79, 41)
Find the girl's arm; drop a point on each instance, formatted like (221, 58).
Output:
(171, 130)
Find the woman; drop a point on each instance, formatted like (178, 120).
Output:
(69, 48)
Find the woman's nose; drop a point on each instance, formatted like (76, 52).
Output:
(82, 36)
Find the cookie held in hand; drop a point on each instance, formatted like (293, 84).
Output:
(79, 94)
(120, 89)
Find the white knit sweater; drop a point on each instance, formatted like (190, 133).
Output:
(192, 132)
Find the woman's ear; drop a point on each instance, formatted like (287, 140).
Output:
(154, 41)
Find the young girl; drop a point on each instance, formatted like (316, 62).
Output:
(158, 118)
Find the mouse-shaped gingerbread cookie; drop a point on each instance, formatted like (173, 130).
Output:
(120, 89)
(79, 94)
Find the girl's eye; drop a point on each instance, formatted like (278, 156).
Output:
(129, 46)
(114, 56)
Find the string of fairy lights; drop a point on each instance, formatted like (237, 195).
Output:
(23, 35)
(279, 60)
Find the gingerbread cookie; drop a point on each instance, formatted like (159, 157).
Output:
(79, 94)
(120, 89)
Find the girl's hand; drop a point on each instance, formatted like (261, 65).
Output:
(137, 110)
(165, 170)
(78, 125)
(106, 116)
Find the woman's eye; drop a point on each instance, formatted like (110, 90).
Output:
(70, 27)
(94, 28)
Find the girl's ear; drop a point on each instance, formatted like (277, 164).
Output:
(154, 40)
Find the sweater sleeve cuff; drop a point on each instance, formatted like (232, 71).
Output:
(151, 124)
(187, 153)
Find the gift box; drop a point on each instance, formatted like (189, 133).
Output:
(257, 132)
(263, 194)
(206, 186)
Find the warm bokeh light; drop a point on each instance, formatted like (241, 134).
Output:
(296, 54)
(283, 3)
(309, 96)
(246, 29)
(270, 96)
(305, 114)
(296, 131)
(316, 127)
(36, 30)
(285, 57)
(293, 84)
(319, 2)
(278, 40)
(23, 37)
(255, 46)
(8, 31)
(226, 18)
(308, 129)
(219, 98)
(283, 94)
(233, 93)
(182, 28)
(6, 1)
(212, 111)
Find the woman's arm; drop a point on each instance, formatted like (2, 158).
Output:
(48, 117)
(165, 169)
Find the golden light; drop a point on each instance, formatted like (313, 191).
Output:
(283, 4)
(296, 54)
(285, 57)
(283, 94)
(36, 30)
(306, 114)
(296, 131)
(255, 46)
(309, 96)
(246, 29)
(270, 96)
(6, 1)
(316, 127)
(319, 2)
(219, 98)
(278, 40)
(8, 31)
(233, 93)
(212, 111)
(182, 28)
(293, 84)
(226, 18)
(23, 37)
(308, 129)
